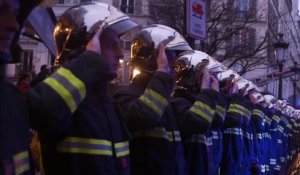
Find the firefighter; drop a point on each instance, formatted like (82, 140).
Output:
(14, 134)
(203, 149)
(155, 120)
(233, 135)
(80, 130)
(257, 124)
(217, 131)
(274, 132)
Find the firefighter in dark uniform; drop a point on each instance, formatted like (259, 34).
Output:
(81, 132)
(233, 136)
(217, 131)
(274, 141)
(257, 123)
(155, 120)
(156, 145)
(14, 134)
(203, 150)
(248, 162)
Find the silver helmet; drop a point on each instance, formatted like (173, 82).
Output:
(77, 25)
(144, 46)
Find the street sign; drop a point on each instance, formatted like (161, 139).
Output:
(196, 19)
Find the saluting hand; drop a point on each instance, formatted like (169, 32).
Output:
(94, 44)
(162, 60)
(205, 81)
(214, 83)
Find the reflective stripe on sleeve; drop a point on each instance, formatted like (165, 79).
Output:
(21, 162)
(276, 118)
(239, 109)
(68, 87)
(280, 128)
(258, 113)
(85, 146)
(160, 132)
(221, 111)
(272, 161)
(199, 138)
(215, 135)
(122, 149)
(203, 110)
(154, 100)
(234, 131)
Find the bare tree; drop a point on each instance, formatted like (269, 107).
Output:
(232, 38)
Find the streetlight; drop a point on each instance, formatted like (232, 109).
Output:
(294, 79)
(280, 47)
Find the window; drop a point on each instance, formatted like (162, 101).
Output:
(127, 6)
(243, 41)
(26, 61)
(242, 37)
(241, 8)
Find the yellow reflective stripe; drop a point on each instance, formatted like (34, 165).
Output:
(77, 83)
(151, 105)
(122, 149)
(280, 128)
(88, 140)
(221, 111)
(202, 114)
(84, 151)
(22, 169)
(85, 146)
(159, 132)
(258, 113)
(268, 120)
(203, 110)
(276, 118)
(245, 111)
(20, 156)
(157, 96)
(21, 162)
(235, 111)
(63, 92)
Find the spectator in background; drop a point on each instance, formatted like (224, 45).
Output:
(44, 73)
(24, 83)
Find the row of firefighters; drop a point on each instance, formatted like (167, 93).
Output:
(86, 127)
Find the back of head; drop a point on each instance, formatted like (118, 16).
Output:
(78, 24)
(144, 46)
(43, 67)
